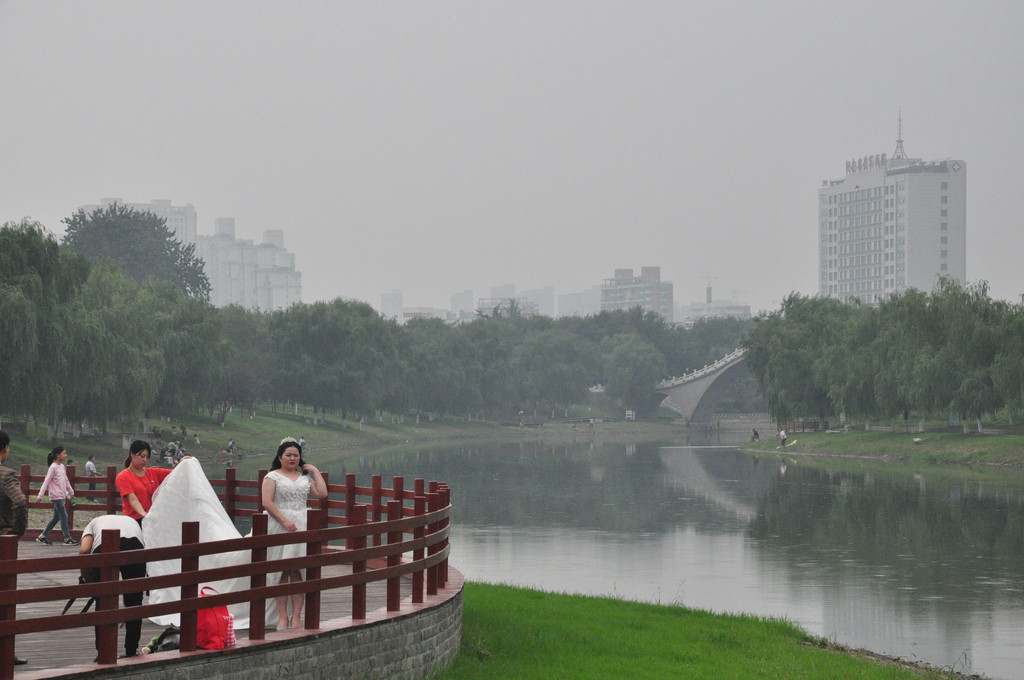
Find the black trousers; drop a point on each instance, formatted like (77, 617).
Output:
(132, 629)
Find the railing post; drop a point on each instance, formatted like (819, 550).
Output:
(258, 608)
(375, 504)
(68, 505)
(187, 638)
(433, 503)
(8, 552)
(259, 490)
(230, 487)
(350, 497)
(325, 502)
(314, 522)
(446, 501)
(398, 483)
(26, 472)
(394, 588)
(420, 509)
(112, 494)
(398, 491)
(357, 518)
(106, 641)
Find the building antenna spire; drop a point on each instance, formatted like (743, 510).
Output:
(899, 153)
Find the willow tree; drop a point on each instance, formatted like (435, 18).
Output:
(38, 284)
(632, 368)
(789, 354)
(117, 362)
(140, 245)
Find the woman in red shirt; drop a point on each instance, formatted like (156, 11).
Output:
(137, 483)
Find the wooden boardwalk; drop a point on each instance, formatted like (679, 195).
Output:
(75, 646)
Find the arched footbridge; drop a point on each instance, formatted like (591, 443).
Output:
(694, 395)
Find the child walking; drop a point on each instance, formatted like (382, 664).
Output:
(58, 488)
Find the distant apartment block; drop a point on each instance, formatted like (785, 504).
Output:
(462, 308)
(584, 303)
(410, 313)
(504, 305)
(891, 224)
(255, 276)
(719, 309)
(507, 290)
(712, 309)
(646, 291)
(391, 305)
(181, 219)
(543, 298)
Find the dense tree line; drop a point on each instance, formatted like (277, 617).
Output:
(93, 340)
(951, 351)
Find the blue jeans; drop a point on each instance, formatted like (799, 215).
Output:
(60, 512)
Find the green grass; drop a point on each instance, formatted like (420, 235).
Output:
(519, 633)
(935, 448)
(257, 437)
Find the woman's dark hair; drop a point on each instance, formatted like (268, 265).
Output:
(52, 455)
(138, 446)
(286, 444)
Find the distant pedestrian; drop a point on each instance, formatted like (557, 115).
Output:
(58, 488)
(782, 436)
(91, 471)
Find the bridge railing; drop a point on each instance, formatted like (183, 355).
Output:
(701, 372)
(381, 534)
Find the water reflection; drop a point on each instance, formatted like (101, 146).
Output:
(913, 565)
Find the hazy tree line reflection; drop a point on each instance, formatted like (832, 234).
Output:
(930, 536)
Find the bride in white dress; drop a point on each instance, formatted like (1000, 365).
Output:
(285, 495)
(186, 496)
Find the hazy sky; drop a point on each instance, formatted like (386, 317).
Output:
(435, 147)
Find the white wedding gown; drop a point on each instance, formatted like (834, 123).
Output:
(187, 496)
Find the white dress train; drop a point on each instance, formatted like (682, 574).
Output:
(187, 496)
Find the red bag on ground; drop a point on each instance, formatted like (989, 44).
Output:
(212, 624)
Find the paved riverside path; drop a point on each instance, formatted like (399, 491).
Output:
(58, 649)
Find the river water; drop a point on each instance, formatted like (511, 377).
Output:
(924, 566)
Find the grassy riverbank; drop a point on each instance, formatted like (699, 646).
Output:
(257, 436)
(511, 632)
(948, 448)
(519, 633)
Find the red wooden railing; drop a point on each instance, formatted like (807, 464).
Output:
(397, 534)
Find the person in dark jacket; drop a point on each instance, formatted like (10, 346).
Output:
(13, 504)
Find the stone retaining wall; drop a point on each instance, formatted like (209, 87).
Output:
(406, 645)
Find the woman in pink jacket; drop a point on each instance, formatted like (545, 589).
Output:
(58, 488)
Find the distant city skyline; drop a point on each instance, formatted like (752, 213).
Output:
(447, 146)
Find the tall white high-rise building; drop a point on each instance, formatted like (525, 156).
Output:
(647, 291)
(260, 277)
(891, 224)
